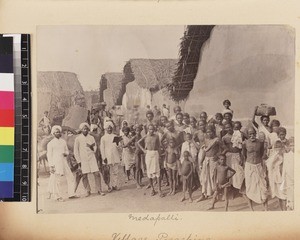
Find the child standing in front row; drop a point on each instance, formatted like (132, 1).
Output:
(128, 156)
(186, 168)
(222, 174)
(171, 156)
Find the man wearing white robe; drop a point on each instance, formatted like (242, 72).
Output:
(110, 155)
(84, 152)
(57, 151)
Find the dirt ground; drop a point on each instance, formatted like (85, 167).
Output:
(129, 199)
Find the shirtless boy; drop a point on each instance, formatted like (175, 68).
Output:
(151, 150)
(222, 174)
(172, 155)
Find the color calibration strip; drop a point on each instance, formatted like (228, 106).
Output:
(21, 118)
(7, 118)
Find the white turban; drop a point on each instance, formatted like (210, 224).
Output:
(54, 128)
(108, 124)
(84, 124)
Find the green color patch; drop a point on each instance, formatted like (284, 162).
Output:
(6, 154)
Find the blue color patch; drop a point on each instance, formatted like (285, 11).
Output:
(6, 172)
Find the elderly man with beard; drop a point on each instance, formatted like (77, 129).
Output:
(57, 151)
(110, 154)
(84, 152)
(256, 185)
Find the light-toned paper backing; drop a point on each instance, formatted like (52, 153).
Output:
(20, 220)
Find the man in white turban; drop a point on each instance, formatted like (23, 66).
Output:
(110, 154)
(84, 151)
(57, 151)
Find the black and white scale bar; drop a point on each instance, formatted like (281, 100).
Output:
(22, 163)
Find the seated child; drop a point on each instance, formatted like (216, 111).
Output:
(222, 174)
(186, 168)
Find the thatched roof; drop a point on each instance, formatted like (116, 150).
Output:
(153, 74)
(187, 67)
(113, 83)
(58, 91)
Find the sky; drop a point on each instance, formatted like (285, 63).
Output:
(90, 51)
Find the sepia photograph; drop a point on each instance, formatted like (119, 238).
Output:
(157, 118)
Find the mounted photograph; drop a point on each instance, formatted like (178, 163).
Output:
(138, 119)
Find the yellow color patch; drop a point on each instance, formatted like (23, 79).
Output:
(7, 135)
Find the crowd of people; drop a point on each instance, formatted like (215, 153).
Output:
(214, 155)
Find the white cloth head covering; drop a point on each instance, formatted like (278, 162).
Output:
(107, 124)
(227, 111)
(54, 128)
(84, 124)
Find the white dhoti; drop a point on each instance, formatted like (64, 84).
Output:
(256, 185)
(152, 164)
(128, 159)
(206, 177)
(114, 174)
(233, 161)
(274, 166)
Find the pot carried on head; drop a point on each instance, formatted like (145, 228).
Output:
(265, 110)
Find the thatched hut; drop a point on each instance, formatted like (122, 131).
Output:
(58, 92)
(190, 52)
(92, 97)
(111, 90)
(145, 77)
(248, 65)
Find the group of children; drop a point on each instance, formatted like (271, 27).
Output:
(213, 155)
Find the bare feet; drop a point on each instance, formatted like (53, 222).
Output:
(200, 198)
(60, 199)
(173, 192)
(73, 197)
(191, 200)
(101, 193)
(87, 194)
(161, 194)
(153, 193)
(182, 199)
(212, 207)
(169, 193)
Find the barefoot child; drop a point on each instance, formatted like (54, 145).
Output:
(192, 147)
(222, 175)
(186, 168)
(233, 156)
(208, 164)
(172, 155)
(128, 153)
(151, 150)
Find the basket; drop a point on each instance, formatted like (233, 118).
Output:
(265, 110)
